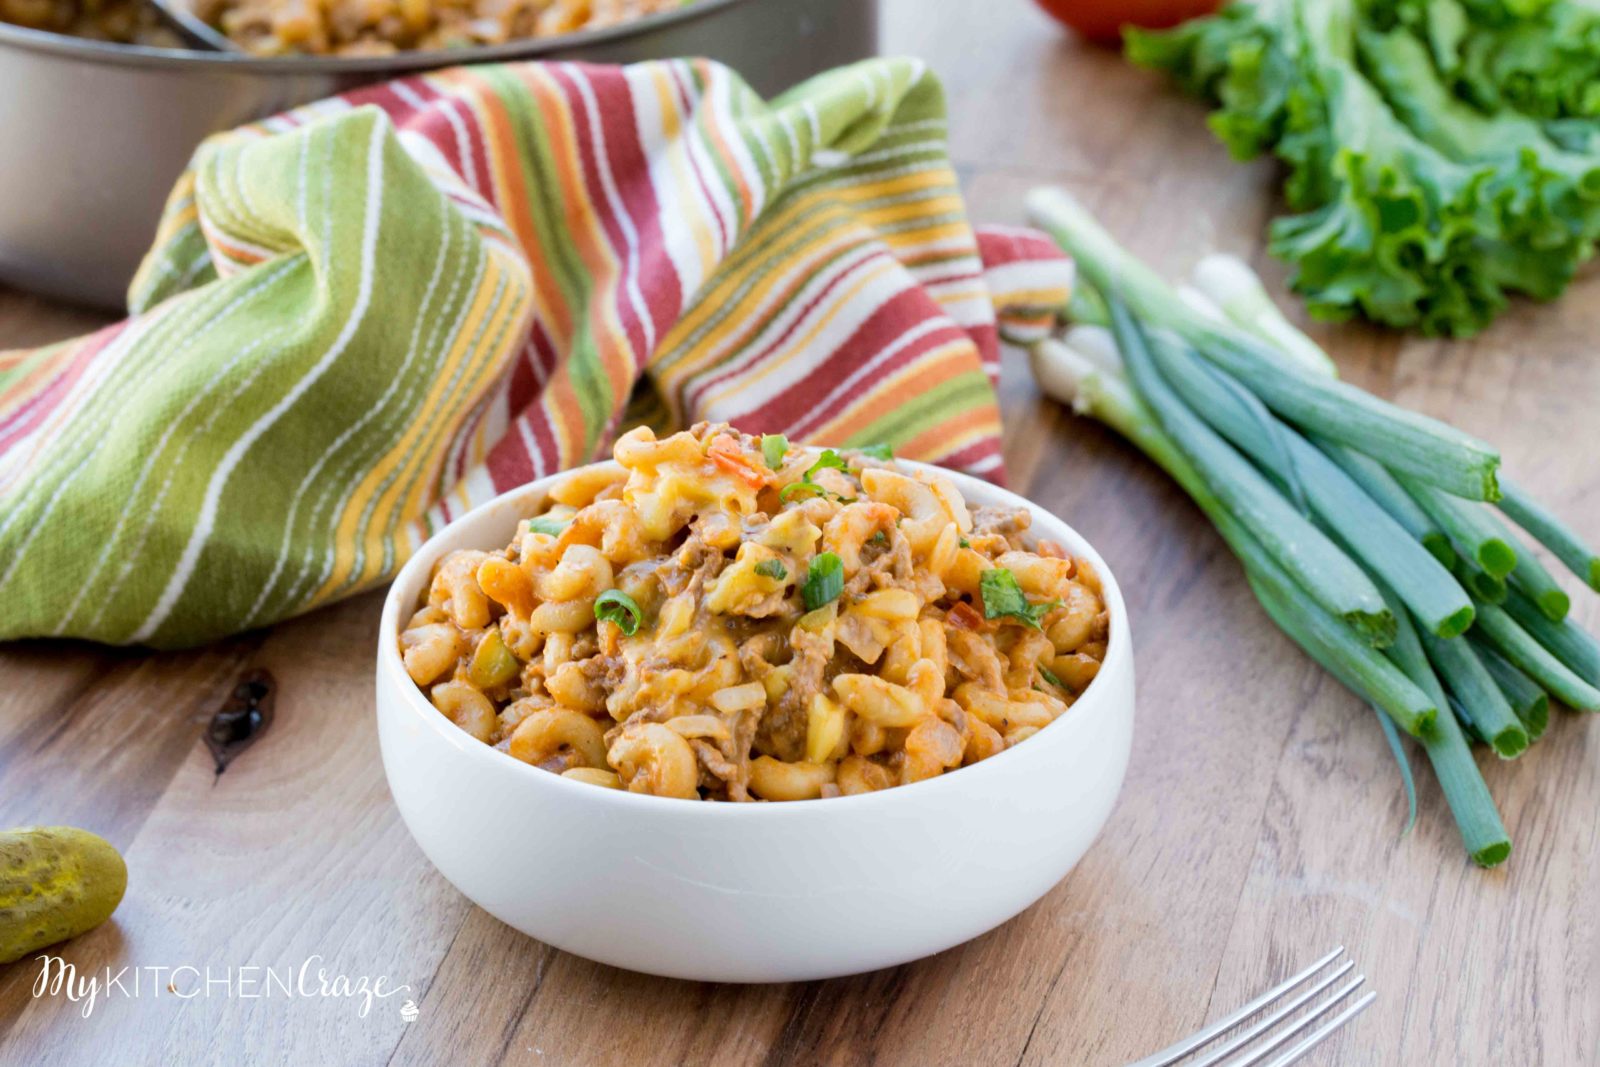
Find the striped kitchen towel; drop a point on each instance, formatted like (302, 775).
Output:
(365, 316)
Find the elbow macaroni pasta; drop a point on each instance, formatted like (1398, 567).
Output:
(726, 687)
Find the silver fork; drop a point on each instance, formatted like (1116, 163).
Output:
(1245, 1044)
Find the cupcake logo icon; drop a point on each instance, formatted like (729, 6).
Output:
(409, 1011)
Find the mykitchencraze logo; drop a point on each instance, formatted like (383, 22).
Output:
(309, 981)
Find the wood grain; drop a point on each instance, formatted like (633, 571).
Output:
(1261, 822)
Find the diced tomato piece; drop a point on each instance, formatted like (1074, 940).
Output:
(726, 454)
(1055, 551)
(965, 616)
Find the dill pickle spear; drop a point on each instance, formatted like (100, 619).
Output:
(56, 882)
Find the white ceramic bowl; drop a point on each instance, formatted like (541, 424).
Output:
(751, 892)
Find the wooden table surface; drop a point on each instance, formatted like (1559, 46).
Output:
(1260, 824)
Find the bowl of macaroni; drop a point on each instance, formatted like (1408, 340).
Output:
(729, 709)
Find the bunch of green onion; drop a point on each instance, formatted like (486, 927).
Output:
(1364, 529)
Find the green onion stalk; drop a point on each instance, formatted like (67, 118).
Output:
(1338, 503)
(1550, 531)
(1429, 450)
(1288, 539)
(1531, 703)
(1101, 392)
(1363, 528)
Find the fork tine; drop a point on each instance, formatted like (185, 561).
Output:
(1300, 1024)
(1268, 1022)
(1321, 1033)
(1210, 1033)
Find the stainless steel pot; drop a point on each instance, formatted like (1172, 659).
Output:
(92, 135)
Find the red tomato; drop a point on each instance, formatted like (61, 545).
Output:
(1102, 20)
(964, 616)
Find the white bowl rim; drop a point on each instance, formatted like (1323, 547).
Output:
(1092, 702)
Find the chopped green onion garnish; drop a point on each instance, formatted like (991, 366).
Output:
(1048, 675)
(811, 487)
(829, 460)
(546, 525)
(774, 446)
(771, 568)
(616, 606)
(877, 451)
(963, 542)
(1004, 598)
(824, 581)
